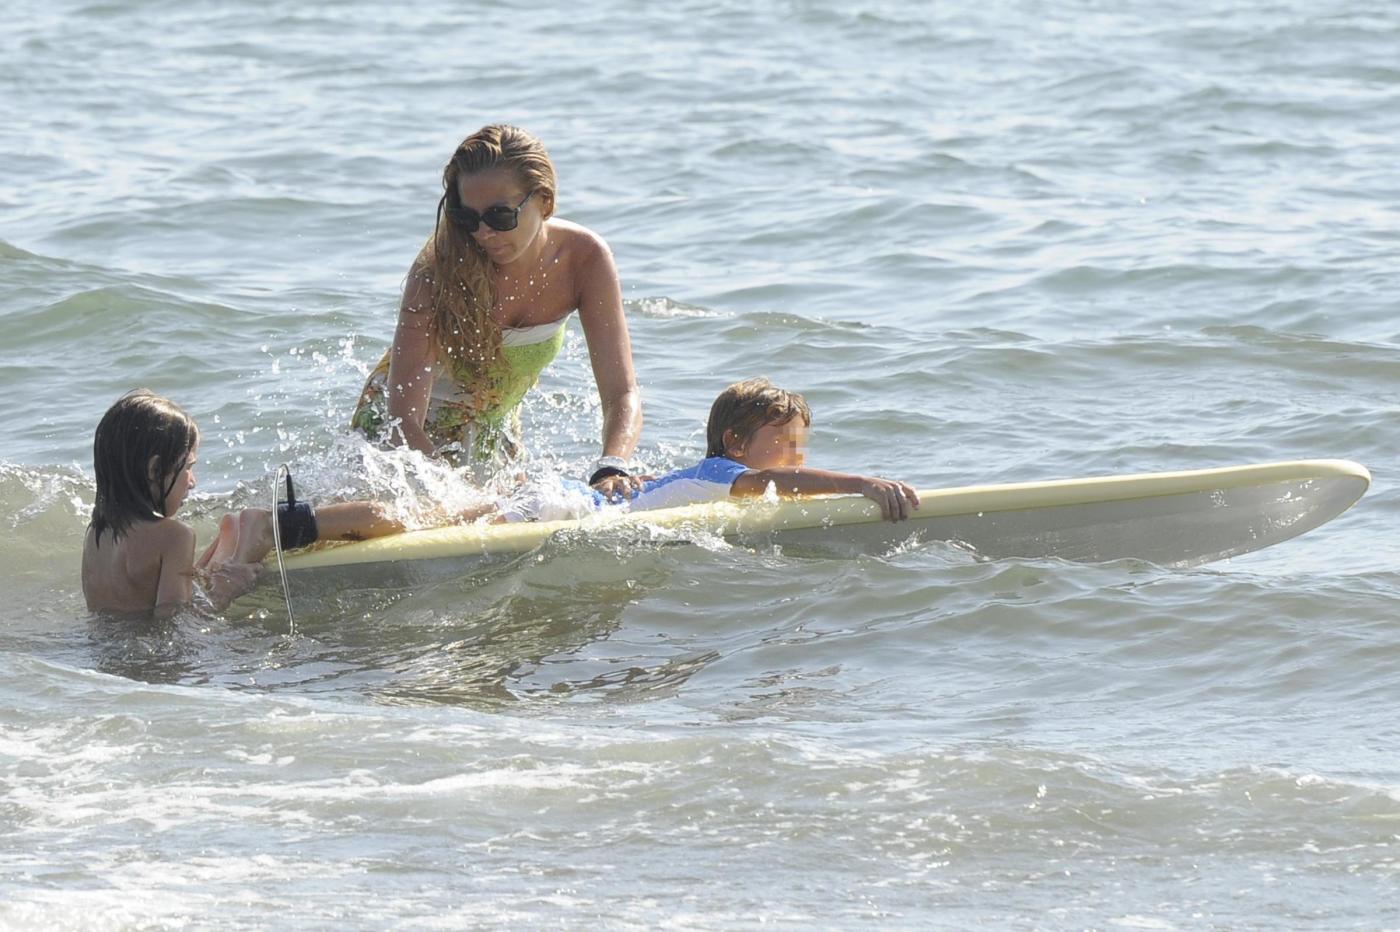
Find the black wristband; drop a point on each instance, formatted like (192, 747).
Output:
(602, 472)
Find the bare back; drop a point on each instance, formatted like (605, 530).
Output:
(149, 569)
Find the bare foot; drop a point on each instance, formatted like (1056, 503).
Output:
(254, 537)
(222, 547)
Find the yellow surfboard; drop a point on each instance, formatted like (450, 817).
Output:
(1171, 518)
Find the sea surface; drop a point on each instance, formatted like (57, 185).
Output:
(990, 242)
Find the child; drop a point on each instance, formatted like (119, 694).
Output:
(138, 558)
(757, 436)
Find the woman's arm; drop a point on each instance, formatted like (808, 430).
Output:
(609, 349)
(896, 499)
(411, 358)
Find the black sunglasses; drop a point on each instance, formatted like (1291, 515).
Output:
(501, 219)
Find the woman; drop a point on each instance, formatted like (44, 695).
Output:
(483, 313)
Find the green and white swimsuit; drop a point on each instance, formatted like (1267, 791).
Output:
(490, 435)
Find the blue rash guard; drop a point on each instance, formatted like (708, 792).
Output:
(707, 481)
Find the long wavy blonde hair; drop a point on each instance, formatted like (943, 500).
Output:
(463, 287)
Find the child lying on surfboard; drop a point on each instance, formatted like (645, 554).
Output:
(756, 437)
(139, 559)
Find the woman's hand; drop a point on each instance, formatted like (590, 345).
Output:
(616, 487)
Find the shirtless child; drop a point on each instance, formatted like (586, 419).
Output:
(139, 559)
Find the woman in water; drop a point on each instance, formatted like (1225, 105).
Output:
(483, 313)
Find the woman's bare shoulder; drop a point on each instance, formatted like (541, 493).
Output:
(423, 260)
(578, 239)
(588, 259)
(418, 288)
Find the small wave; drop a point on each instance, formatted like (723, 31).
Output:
(663, 308)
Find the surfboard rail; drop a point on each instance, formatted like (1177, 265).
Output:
(1177, 518)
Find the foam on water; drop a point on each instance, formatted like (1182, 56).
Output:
(527, 809)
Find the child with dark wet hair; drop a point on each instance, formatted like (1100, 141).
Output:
(140, 559)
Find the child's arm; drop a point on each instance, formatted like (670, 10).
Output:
(175, 588)
(175, 553)
(895, 499)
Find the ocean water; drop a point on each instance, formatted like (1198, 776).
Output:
(996, 242)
